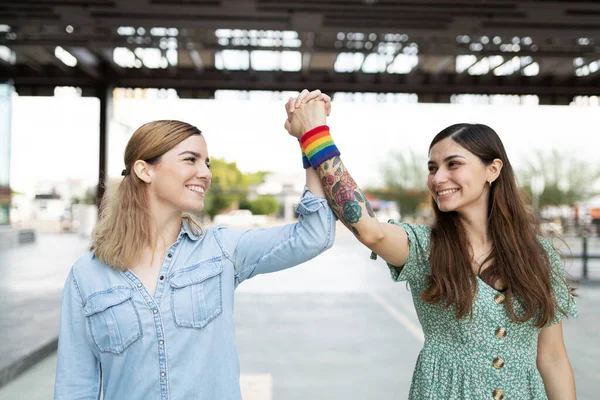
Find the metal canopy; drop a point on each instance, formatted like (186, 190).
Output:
(561, 37)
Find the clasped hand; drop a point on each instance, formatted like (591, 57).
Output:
(307, 111)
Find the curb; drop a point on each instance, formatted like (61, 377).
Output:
(17, 367)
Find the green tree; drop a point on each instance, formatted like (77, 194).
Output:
(89, 196)
(245, 204)
(264, 205)
(405, 177)
(567, 179)
(229, 186)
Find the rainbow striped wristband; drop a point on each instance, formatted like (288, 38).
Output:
(305, 162)
(318, 145)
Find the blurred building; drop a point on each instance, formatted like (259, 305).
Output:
(589, 214)
(49, 212)
(286, 188)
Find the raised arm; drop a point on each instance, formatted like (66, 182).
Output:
(313, 182)
(307, 122)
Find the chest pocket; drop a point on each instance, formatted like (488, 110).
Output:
(113, 320)
(197, 298)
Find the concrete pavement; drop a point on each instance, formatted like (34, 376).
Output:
(334, 328)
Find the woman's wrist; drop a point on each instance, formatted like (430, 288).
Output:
(305, 162)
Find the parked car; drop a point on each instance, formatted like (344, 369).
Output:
(240, 219)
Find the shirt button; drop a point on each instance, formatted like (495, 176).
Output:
(162, 374)
(169, 255)
(155, 311)
(161, 342)
(498, 394)
(501, 333)
(499, 298)
(498, 363)
(139, 285)
(162, 277)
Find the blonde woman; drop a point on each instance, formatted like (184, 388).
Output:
(148, 312)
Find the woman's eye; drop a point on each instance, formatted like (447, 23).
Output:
(453, 164)
(208, 166)
(431, 169)
(192, 159)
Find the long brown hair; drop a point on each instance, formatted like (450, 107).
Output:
(519, 260)
(124, 228)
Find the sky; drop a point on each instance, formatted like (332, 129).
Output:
(55, 138)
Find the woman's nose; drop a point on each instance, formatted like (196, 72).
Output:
(438, 178)
(204, 172)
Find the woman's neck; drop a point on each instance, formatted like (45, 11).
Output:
(476, 227)
(166, 225)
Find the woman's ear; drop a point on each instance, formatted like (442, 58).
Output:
(142, 170)
(493, 170)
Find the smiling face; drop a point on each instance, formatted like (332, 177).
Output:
(458, 179)
(182, 176)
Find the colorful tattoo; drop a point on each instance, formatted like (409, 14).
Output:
(369, 209)
(345, 197)
(352, 212)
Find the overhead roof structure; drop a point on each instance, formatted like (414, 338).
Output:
(433, 48)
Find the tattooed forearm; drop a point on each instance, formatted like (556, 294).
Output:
(345, 198)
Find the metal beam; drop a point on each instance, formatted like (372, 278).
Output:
(196, 60)
(466, 70)
(11, 68)
(212, 79)
(424, 49)
(106, 57)
(58, 63)
(86, 61)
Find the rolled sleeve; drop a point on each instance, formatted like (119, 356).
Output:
(309, 203)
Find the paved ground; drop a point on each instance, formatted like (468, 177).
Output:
(333, 328)
(33, 276)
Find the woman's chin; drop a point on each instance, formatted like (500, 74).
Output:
(444, 207)
(196, 207)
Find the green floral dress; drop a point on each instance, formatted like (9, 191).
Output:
(487, 356)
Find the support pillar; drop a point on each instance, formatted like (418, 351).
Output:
(6, 91)
(104, 93)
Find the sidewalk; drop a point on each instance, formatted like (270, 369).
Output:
(33, 278)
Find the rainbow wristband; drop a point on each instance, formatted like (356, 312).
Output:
(305, 162)
(318, 145)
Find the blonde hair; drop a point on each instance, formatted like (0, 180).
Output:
(124, 228)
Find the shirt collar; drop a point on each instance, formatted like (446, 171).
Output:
(187, 229)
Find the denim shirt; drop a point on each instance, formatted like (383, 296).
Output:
(179, 344)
